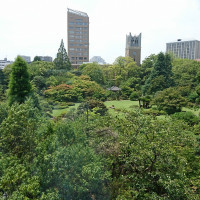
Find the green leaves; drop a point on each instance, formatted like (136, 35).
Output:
(161, 75)
(19, 85)
(94, 71)
(169, 100)
(154, 159)
(62, 60)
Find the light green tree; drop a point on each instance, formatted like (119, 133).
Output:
(62, 61)
(94, 71)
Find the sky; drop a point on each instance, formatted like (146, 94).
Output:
(36, 27)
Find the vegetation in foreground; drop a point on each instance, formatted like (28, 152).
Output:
(88, 153)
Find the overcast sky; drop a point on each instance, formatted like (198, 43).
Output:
(36, 27)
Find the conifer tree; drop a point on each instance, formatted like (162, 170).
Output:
(19, 84)
(62, 60)
(161, 75)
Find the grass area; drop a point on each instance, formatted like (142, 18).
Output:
(57, 112)
(125, 104)
(195, 111)
(114, 107)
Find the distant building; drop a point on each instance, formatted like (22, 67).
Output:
(114, 89)
(77, 37)
(133, 47)
(46, 58)
(26, 58)
(98, 59)
(4, 62)
(189, 49)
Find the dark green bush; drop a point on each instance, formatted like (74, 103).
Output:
(134, 96)
(189, 117)
(91, 104)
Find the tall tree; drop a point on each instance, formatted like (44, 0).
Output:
(62, 60)
(161, 75)
(2, 85)
(19, 85)
(94, 71)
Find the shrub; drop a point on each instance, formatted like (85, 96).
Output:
(169, 100)
(93, 105)
(134, 96)
(189, 117)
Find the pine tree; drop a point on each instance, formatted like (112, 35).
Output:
(62, 60)
(161, 75)
(19, 84)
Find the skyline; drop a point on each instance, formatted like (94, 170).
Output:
(37, 27)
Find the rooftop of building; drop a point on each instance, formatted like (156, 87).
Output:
(183, 40)
(76, 12)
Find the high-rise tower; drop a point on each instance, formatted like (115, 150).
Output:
(77, 37)
(133, 47)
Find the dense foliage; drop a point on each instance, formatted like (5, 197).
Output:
(89, 153)
(161, 75)
(62, 61)
(19, 85)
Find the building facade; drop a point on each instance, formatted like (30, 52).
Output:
(77, 37)
(133, 47)
(4, 62)
(26, 58)
(189, 49)
(46, 58)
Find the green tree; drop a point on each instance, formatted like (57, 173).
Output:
(2, 77)
(19, 85)
(169, 100)
(161, 75)
(2, 85)
(36, 58)
(62, 60)
(94, 71)
(156, 160)
(186, 72)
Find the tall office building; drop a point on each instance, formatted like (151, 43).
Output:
(189, 49)
(133, 47)
(77, 37)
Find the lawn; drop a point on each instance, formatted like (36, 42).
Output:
(117, 105)
(57, 112)
(114, 107)
(195, 111)
(123, 104)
